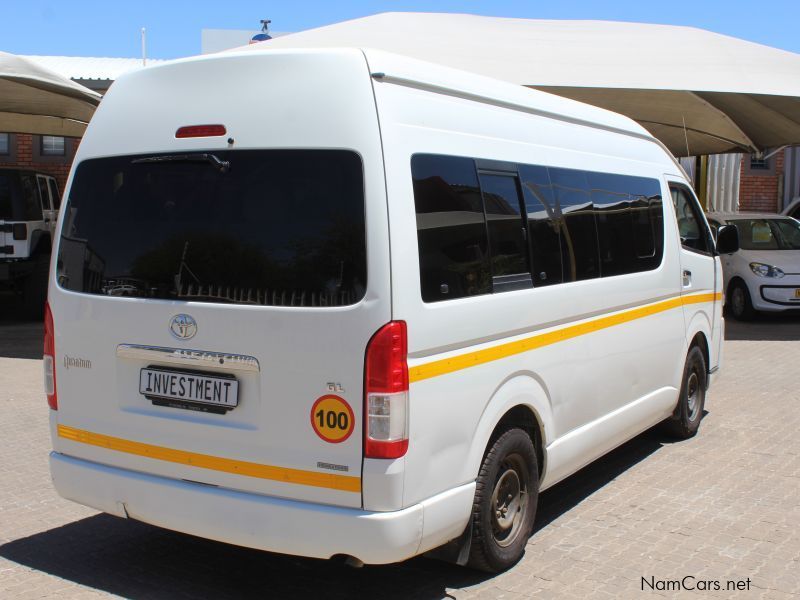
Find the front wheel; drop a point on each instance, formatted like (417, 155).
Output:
(739, 303)
(686, 419)
(504, 508)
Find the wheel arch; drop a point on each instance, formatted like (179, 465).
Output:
(521, 400)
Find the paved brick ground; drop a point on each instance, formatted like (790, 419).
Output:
(723, 506)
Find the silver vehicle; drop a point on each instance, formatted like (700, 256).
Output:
(29, 204)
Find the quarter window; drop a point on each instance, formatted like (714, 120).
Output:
(451, 229)
(691, 228)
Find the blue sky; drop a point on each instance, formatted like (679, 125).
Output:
(111, 28)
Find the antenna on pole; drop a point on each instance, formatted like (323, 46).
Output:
(144, 47)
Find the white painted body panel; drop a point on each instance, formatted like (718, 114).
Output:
(589, 393)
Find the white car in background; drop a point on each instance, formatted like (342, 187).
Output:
(764, 274)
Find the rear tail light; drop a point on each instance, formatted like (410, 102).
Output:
(50, 359)
(20, 231)
(386, 393)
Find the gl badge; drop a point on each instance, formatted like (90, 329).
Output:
(183, 327)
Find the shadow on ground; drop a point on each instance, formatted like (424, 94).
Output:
(765, 327)
(135, 560)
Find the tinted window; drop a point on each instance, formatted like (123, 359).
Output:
(451, 230)
(691, 227)
(544, 225)
(629, 222)
(768, 234)
(276, 228)
(507, 243)
(54, 193)
(31, 201)
(580, 247)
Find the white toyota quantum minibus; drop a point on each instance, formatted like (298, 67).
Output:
(340, 303)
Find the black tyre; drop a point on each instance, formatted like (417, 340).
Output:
(505, 502)
(34, 289)
(739, 304)
(689, 412)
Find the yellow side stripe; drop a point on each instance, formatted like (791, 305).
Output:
(346, 483)
(480, 357)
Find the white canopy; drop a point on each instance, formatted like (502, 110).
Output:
(36, 100)
(723, 94)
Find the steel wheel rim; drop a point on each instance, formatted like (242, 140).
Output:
(693, 393)
(509, 505)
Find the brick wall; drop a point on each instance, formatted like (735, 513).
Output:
(23, 154)
(760, 190)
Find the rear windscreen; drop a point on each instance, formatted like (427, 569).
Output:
(19, 197)
(264, 227)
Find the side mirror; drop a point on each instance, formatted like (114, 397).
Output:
(727, 239)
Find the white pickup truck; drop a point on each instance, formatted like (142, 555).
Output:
(29, 204)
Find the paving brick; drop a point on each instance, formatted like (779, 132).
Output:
(724, 505)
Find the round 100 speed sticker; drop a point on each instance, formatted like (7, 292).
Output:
(332, 418)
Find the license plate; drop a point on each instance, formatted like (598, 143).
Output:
(180, 387)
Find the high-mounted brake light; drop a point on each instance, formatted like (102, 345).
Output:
(386, 393)
(193, 131)
(50, 358)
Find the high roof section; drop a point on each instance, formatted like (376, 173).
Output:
(731, 94)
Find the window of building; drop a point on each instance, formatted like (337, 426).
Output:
(5, 144)
(52, 145)
(759, 163)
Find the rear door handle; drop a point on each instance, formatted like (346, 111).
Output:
(687, 278)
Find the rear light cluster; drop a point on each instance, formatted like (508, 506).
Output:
(50, 359)
(386, 393)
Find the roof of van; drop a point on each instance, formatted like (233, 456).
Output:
(396, 68)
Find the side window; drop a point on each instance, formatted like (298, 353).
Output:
(580, 248)
(31, 199)
(508, 246)
(44, 192)
(691, 228)
(451, 229)
(544, 225)
(612, 206)
(54, 195)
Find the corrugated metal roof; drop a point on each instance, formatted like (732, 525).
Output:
(90, 68)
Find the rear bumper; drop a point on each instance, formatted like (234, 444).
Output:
(262, 522)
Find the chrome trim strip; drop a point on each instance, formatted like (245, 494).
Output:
(190, 358)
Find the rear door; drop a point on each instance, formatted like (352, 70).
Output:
(213, 313)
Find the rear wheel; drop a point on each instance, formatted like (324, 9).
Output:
(689, 412)
(739, 303)
(505, 502)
